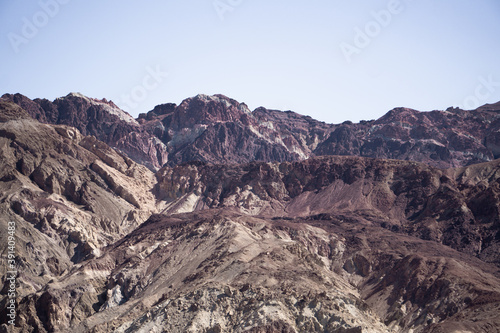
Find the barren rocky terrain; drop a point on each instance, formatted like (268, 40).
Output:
(207, 217)
(217, 129)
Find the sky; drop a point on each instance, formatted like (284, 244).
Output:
(333, 60)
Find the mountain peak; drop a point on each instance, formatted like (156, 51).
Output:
(490, 107)
(76, 94)
(104, 104)
(205, 109)
(222, 99)
(399, 114)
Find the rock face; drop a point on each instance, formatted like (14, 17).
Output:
(217, 129)
(287, 244)
(440, 138)
(101, 119)
(456, 207)
(69, 196)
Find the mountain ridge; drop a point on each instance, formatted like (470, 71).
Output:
(218, 129)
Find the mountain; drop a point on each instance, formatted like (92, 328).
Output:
(456, 207)
(217, 129)
(77, 191)
(219, 240)
(98, 118)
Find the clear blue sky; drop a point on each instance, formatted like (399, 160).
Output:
(333, 60)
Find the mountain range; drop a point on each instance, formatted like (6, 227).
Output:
(217, 129)
(209, 217)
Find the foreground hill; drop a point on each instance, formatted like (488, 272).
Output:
(217, 129)
(326, 244)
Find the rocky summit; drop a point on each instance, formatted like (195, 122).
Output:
(209, 217)
(217, 129)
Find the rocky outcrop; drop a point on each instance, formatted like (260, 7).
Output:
(101, 119)
(443, 139)
(68, 194)
(456, 207)
(226, 272)
(217, 129)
